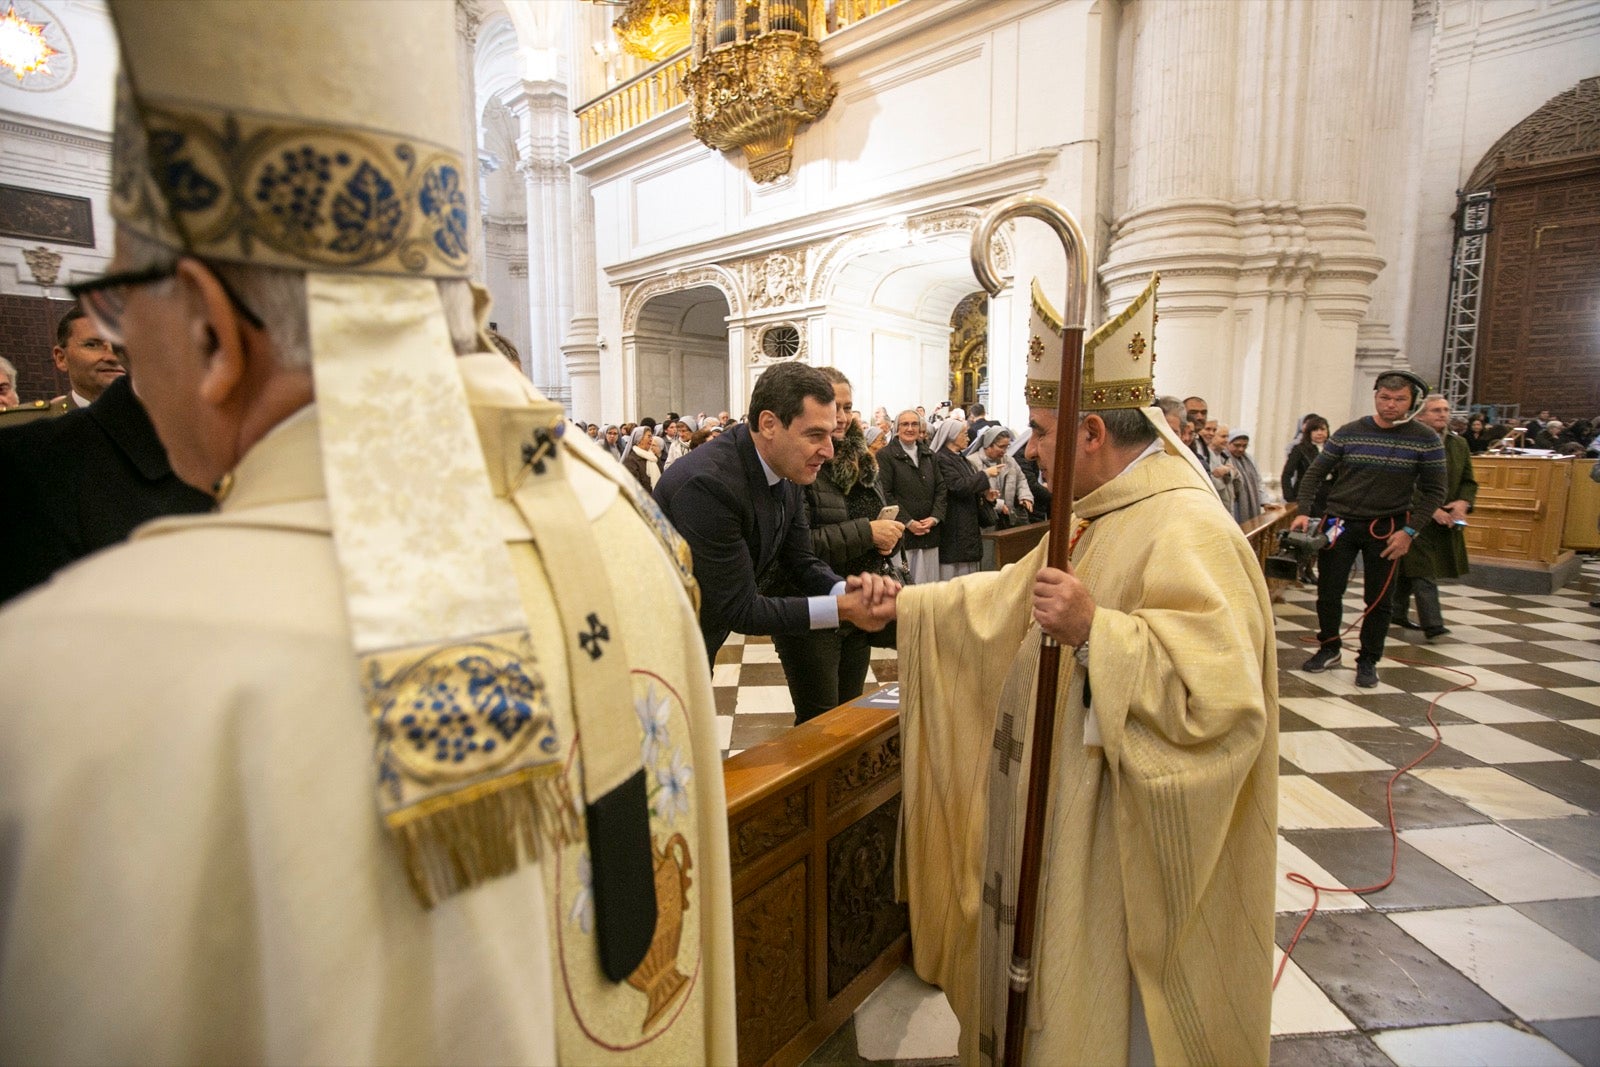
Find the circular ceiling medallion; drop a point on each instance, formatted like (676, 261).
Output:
(33, 36)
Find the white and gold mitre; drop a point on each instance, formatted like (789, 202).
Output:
(1119, 359)
(293, 134)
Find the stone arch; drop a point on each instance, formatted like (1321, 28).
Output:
(836, 253)
(719, 277)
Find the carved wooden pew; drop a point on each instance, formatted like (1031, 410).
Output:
(812, 821)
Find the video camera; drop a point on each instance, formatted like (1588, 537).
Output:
(1296, 552)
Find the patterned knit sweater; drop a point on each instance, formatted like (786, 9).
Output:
(1375, 471)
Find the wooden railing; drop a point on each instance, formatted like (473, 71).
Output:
(660, 89)
(812, 824)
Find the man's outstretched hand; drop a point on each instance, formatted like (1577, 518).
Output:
(869, 601)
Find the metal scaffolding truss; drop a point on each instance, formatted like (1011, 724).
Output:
(1466, 291)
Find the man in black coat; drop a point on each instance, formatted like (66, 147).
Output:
(911, 479)
(81, 482)
(737, 501)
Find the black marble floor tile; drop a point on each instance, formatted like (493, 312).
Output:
(1558, 737)
(1576, 783)
(761, 674)
(1359, 858)
(1397, 746)
(1291, 686)
(1403, 709)
(1381, 977)
(729, 654)
(726, 697)
(1289, 722)
(1555, 705)
(1411, 680)
(1578, 1038)
(1517, 615)
(1575, 921)
(1416, 803)
(1533, 653)
(1576, 840)
(1419, 651)
(1523, 633)
(1535, 674)
(1328, 1050)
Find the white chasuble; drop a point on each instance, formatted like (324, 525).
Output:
(1161, 837)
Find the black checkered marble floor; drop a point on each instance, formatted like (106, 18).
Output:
(1486, 948)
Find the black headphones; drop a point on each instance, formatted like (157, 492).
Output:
(1419, 388)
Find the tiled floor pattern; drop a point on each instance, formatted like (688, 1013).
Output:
(1486, 949)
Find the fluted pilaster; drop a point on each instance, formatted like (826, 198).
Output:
(543, 144)
(582, 344)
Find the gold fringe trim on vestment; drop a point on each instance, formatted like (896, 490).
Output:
(453, 842)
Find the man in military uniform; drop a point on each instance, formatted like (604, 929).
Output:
(406, 752)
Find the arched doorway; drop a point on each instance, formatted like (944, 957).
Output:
(680, 347)
(1524, 313)
(969, 350)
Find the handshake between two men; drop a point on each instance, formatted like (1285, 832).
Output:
(1062, 605)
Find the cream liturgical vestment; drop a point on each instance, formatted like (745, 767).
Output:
(1160, 849)
(193, 867)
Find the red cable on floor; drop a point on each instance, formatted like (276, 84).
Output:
(1394, 831)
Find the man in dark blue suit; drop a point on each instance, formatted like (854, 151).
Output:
(737, 501)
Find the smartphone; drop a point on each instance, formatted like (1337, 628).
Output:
(1459, 522)
(889, 512)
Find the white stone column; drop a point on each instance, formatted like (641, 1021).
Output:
(581, 347)
(469, 18)
(1248, 185)
(543, 145)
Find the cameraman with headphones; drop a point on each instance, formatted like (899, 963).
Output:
(1379, 463)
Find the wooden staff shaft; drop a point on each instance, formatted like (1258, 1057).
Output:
(1060, 552)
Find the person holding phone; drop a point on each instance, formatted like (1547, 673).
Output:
(854, 531)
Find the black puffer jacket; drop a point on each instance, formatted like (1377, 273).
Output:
(915, 485)
(842, 503)
(961, 533)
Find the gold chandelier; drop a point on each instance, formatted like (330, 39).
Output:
(755, 78)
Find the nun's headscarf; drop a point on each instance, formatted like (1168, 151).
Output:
(1018, 443)
(987, 438)
(873, 433)
(709, 421)
(948, 431)
(637, 435)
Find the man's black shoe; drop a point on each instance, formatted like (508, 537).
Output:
(1322, 659)
(1404, 623)
(1366, 674)
(1434, 635)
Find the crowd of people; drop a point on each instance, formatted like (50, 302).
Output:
(1580, 437)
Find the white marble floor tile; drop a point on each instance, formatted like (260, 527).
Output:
(734, 639)
(1518, 962)
(1572, 630)
(1474, 635)
(1304, 804)
(1487, 681)
(1568, 614)
(1290, 609)
(1589, 694)
(725, 674)
(1320, 753)
(1592, 725)
(724, 731)
(1589, 650)
(762, 653)
(764, 699)
(1554, 600)
(1299, 1007)
(884, 653)
(1332, 713)
(1589, 669)
(1470, 1045)
(1469, 617)
(1502, 864)
(1481, 707)
(1295, 897)
(1483, 655)
(1341, 681)
(1489, 745)
(1595, 763)
(906, 1019)
(1495, 793)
